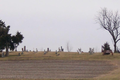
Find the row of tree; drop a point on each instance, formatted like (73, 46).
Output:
(8, 41)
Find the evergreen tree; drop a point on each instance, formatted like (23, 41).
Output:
(6, 40)
(106, 46)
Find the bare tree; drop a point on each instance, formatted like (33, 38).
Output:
(69, 48)
(111, 22)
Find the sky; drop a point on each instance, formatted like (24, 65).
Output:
(54, 23)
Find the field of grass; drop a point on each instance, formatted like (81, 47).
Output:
(115, 60)
(62, 56)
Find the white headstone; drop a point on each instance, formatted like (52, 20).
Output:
(79, 51)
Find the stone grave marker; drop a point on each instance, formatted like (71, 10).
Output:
(2, 54)
(59, 49)
(62, 49)
(45, 52)
(48, 49)
(24, 48)
(79, 51)
(91, 51)
(56, 52)
(36, 50)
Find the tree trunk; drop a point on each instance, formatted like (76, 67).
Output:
(115, 47)
(7, 52)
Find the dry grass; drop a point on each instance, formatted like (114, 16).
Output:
(115, 59)
(62, 56)
(47, 79)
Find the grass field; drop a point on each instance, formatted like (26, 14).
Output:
(62, 56)
(115, 60)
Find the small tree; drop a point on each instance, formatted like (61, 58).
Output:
(111, 22)
(6, 40)
(106, 46)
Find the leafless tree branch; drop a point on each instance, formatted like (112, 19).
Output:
(111, 22)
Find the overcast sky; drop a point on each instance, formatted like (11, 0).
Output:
(54, 23)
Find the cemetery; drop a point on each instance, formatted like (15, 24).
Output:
(59, 64)
(68, 65)
(49, 25)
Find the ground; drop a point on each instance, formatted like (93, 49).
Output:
(54, 69)
(66, 66)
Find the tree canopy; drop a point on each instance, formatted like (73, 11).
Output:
(8, 41)
(106, 46)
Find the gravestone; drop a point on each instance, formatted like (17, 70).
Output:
(2, 54)
(45, 52)
(47, 49)
(56, 52)
(91, 51)
(36, 50)
(79, 51)
(24, 48)
(62, 49)
(59, 49)
(18, 54)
